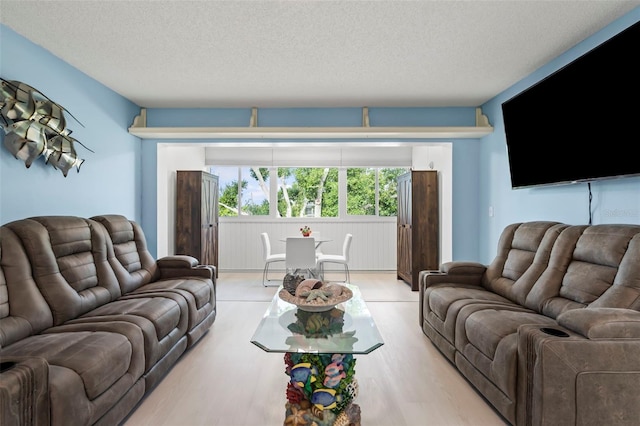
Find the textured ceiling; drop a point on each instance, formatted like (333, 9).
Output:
(308, 53)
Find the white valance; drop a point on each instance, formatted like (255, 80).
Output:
(317, 156)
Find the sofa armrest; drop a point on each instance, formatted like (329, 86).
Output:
(463, 268)
(178, 261)
(602, 323)
(468, 273)
(184, 266)
(570, 379)
(24, 391)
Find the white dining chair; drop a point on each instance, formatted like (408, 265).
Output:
(317, 239)
(337, 258)
(269, 258)
(300, 255)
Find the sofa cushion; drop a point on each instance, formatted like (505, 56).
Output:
(602, 323)
(625, 290)
(90, 366)
(487, 336)
(485, 329)
(447, 300)
(163, 313)
(68, 263)
(441, 306)
(585, 264)
(200, 289)
(597, 255)
(199, 294)
(127, 252)
(161, 318)
(98, 358)
(23, 310)
(523, 255)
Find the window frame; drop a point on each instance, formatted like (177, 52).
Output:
(343, 216)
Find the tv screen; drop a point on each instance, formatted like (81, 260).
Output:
(581, 123)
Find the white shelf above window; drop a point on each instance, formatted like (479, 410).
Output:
(482, 128)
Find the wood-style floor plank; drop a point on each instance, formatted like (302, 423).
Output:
(225, 380)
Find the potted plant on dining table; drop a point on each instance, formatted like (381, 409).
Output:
(306, 231)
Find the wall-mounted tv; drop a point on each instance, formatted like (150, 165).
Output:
(581, 123)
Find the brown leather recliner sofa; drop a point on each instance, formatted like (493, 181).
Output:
(549, 332)
(89, 321)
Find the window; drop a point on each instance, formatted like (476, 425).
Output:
(244, 191)
(388, 190)
(361, 191)
(307, 191)
(372, 192)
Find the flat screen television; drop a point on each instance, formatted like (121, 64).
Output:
(581, 123)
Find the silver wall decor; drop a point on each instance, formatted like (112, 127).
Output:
(35, 126)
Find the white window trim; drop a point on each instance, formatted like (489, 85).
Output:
(342, 200)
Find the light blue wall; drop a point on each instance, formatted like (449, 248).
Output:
(465, 151)
(121, 177)
(614, 201)
(109, 181)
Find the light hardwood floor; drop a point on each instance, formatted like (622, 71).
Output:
(225, 380)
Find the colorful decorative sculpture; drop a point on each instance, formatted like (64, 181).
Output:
(36, 126)
(321, 390)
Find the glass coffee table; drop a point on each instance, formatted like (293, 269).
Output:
(319, 349)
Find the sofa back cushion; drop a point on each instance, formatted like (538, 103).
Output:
(68, 257)
(128, 254)
(523, 254)
(590, 266)
(624, 291)
(23, 310)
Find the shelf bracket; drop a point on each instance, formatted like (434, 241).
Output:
(140, 121)
(365, 117)
(481, 119)
(253, 121)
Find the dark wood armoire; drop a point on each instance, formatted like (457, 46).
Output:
(197, 216)
(418, 225)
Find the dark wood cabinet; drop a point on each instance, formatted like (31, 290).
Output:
(197, 216)
(418, 225)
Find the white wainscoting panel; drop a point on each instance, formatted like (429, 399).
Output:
(373, 247)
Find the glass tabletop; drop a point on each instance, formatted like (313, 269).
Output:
(348, 328)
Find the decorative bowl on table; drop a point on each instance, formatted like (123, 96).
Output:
(315, 296)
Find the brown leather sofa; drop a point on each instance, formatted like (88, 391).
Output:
(89, 321)
(549, 332)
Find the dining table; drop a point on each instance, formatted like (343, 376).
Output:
(318, 240)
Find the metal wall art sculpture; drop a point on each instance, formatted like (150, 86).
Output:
(35, 126)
